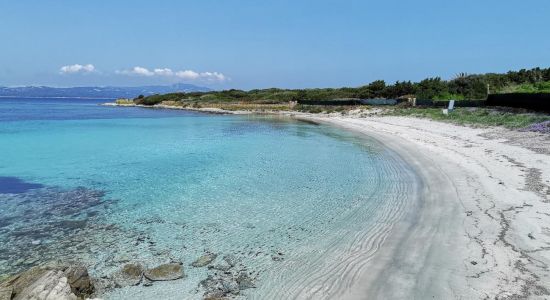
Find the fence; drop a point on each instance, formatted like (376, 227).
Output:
(330, 102)
(537, 102)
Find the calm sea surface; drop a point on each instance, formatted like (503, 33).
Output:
(109, 185)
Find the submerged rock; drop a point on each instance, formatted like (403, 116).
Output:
(221, 267)
(130, 274)
(204, 260)
(245, 282)
(165, 272)
(231, 259)
(48, 282)
(218, 287)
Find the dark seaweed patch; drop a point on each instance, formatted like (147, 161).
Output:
(14, 185)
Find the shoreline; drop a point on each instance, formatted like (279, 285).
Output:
(397, 271)
(482, 227)
(474, 224)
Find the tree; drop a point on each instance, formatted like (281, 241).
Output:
(430, 88)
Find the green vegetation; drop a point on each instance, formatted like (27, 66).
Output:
(463, 86)
(475, 116)
(539, 87)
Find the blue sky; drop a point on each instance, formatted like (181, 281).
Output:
(257, 44)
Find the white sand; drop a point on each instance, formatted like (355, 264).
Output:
(482, 228)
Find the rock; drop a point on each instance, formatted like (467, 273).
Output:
(130, 274)
(230, 286)
(51, 285)
(204, 260)
(215, 295)
(245, 282)
(103, 285)
(79, 280)
(49, 282)
(19, 282)
(165, 272)
(147, 282)
(5, 293)
(220, 267)
(231, 260)
(219, 287)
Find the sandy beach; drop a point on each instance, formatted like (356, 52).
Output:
(481, 229)
(481, 226)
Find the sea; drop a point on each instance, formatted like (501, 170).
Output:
(300, 206)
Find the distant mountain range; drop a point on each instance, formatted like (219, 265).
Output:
(97, 92)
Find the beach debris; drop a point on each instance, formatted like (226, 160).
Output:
(63, 282)
(130, 274)
(204, 260)
(165, 272)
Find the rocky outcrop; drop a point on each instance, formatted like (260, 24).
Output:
(48, 282)
(165, 272)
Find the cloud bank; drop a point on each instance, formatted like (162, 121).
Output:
(76, 68)
(169, 73)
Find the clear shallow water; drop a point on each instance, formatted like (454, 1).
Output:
(114, 185)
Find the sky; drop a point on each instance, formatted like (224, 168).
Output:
(258, 44)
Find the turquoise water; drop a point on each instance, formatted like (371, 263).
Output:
(110, 185)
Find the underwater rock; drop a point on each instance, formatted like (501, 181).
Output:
(221, 267)
(231, 259)
(130, 274)
(218, 287)
(165, 272)
(245, 282)
(50, 221)
(204, 260)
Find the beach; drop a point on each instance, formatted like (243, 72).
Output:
(481, 229)
(481, 226)
(401, 207)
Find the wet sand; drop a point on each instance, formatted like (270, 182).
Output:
(481, 226)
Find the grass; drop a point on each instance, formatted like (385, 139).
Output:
(475, 116)
(539, 87)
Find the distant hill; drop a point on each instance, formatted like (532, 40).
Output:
(97, 92)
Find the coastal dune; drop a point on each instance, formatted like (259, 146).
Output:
(480, 226)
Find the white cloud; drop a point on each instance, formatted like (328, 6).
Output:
(76, 68)
(169, 73)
